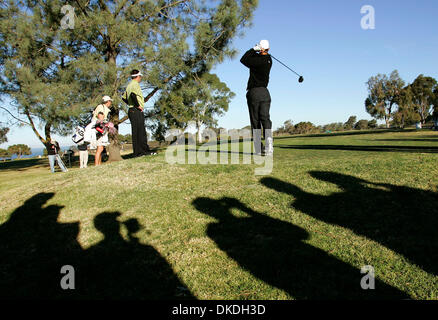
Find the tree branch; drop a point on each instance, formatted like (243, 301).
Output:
(149, 96)
(33, 126)
(18, 119)
(120, 8)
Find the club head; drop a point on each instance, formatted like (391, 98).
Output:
(301, 79)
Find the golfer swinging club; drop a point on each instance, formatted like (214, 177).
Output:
(259, 63)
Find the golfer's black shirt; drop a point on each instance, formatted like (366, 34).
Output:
(82, 147)
(259, 68)
(52, 148)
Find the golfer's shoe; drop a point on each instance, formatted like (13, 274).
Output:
(269, 150)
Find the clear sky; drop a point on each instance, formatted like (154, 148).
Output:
(323, 40)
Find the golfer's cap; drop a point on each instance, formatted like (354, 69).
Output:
(264, 44)
(106, 98)
(137, 74)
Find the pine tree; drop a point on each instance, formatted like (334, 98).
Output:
(198, 99)
(58, 65)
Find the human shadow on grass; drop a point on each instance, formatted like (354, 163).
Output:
(34, 246)
(275, 252)
(382, 148)
(400, 218)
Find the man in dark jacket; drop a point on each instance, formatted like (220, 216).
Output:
(259, 63)
(53, 148)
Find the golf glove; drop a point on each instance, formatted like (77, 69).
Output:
(257, 47)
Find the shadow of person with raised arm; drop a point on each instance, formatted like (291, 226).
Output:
(275, 252)
(400, 218)
(116, 268)
(33, 248)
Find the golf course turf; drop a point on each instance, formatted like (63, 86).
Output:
(143, 228)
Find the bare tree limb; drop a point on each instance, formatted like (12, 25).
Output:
(18, 119)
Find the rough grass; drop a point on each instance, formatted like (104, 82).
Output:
(147, 229)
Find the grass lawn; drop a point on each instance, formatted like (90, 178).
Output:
(144, 228)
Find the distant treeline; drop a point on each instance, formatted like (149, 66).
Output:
(16, 149)
(398, 104)
(308, 127)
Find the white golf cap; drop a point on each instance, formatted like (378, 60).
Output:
(137, 74)
(264, 44)
(106, 98)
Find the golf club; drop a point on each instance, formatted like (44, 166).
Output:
(301, 79)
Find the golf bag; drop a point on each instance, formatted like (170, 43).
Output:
(100, 128)
(78, 136)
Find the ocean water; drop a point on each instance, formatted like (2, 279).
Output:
(35, 153)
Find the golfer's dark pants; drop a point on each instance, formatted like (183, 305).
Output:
(259, 104)
(139, 137)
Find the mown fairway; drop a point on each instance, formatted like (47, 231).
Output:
(143, 228)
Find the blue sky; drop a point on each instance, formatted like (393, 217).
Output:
(324, 41)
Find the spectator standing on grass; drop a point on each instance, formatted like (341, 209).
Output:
(101, 137)
(83, 155)
(133, 97)
(104, 107)
(53, 149)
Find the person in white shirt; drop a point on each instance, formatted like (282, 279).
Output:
(105, 108)
(96, 134)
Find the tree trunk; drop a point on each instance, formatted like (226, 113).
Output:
(114, 147)
(422, 112)
(114, 151)
(198, 126)
(388, 116)
(32, 125)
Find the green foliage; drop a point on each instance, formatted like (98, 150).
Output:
(127, 138)
(406, 113)
(350, 123)
(3, 133)
(287, 128)
(335, 126)
(4, 153)
(372, 124)
(19, 150)
(246, 127)
(305, 127)
(415, 102)
(423, 95)
(361, 125)
(383, 95)
(435, 102)
(158, 131)
(199, 99)
(54, 75)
